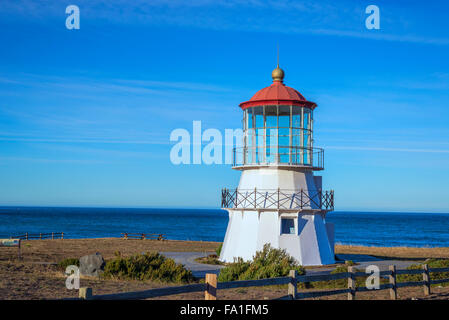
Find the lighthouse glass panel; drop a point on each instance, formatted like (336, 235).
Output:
(284, 134)
(271, 124)
(249, 136)
(260, 132)
(277, 134)
(306, 143)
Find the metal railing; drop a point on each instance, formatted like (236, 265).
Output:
(270, 199)
(295, 156)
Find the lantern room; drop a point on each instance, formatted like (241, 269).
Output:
(278, 128)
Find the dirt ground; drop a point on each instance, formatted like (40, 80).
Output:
(395, 252)
(53, 251)
(37, 277)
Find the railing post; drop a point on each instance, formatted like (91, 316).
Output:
(302, 203)
(426, 279)
(62, 235)
(85, 293)
(392, 280)
(255, 198)
(279, 196)
(26, 235)
(40, 236)
(211, 287)
(293, 285)
(351, 284)
(52, 236)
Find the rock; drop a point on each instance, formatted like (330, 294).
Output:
(92, 265)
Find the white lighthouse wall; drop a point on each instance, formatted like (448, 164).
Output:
(330, 228)
(232, 238)
(248, 235)
(273, 178)
(249, 230)
(268, 223)
(241, 236)
(324, 247)
(291, 244)
(227, 240)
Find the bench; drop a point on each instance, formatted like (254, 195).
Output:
(11, 243)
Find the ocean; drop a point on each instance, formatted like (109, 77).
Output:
(357, 228)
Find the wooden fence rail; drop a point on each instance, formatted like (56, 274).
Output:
(143, 236)
(40, 236)
(211, 287)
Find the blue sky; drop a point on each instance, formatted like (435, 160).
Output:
(86, 115)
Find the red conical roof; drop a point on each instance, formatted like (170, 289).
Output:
(277, 94)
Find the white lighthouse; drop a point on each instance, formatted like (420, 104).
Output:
(279, 200)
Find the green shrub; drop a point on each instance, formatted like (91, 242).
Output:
(268, 263)
(218, 250)
(63, 264)
(150, 266)
(432, 263)
(350, 263)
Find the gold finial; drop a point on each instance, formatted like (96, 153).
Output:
(278, 74)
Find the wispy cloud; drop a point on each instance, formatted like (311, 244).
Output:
(108, 85)
(388, 149)
(48, 160)
(342, 19)
(86, 141)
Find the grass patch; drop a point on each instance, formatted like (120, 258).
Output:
(63, 264)
(432, 263)
(339, 283)
(268, 263)
(149, 266)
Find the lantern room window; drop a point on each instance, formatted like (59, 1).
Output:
(278, 134)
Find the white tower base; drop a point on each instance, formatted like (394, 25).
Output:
(308, 238)
(312, 243)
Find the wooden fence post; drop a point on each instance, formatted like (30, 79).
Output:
(426, 279)
(392, 280)
(20, 250)
(85, 293)
(351, 284)
(293, 285)
(211, 287)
